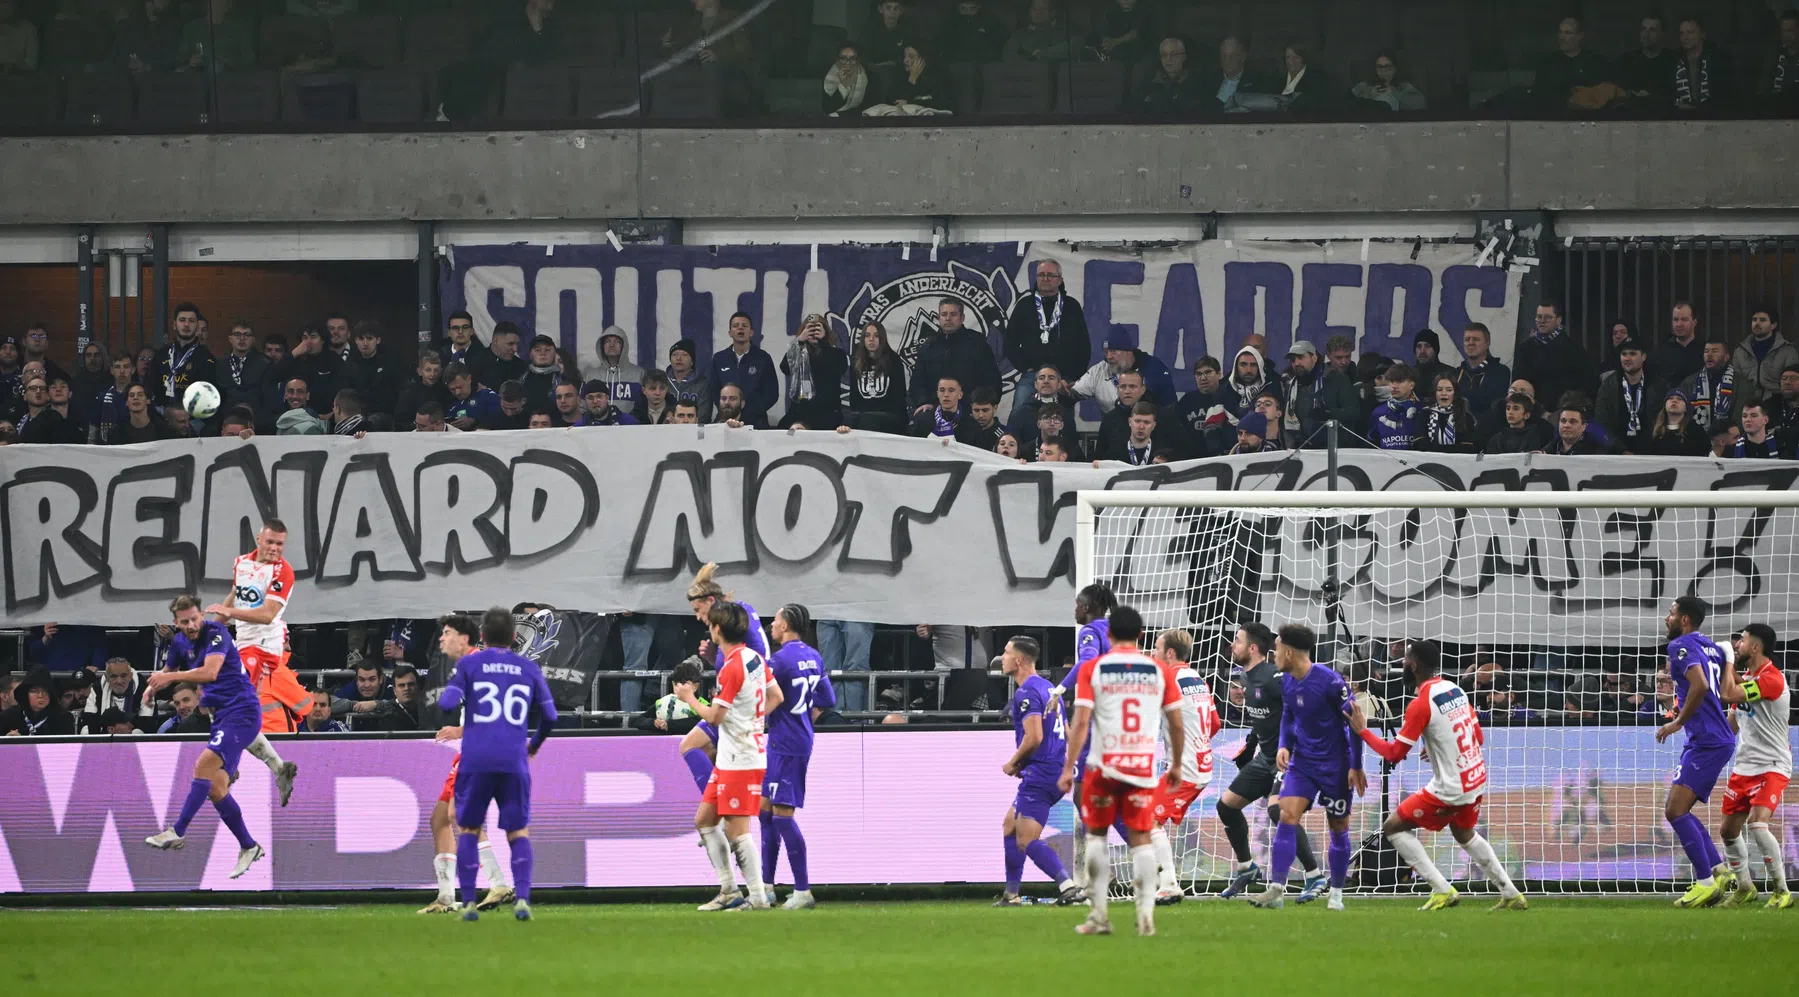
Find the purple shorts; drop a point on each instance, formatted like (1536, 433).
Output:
(1700, 767)
(784, 782)
(1329, 788)
(511, 790)
(232, 732)
(1034, 801)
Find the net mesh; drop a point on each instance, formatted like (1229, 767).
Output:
(1550, 619)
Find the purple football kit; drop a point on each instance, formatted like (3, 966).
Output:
(1709, 745)
(1322, 751)
(800, 674)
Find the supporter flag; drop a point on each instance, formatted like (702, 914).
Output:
(567, 645)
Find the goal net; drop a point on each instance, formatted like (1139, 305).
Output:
(1550, 610)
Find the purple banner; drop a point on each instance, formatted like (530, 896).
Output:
(1573, 803)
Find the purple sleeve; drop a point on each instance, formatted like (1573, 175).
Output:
(546, 706)
(1289, 723)
(825, 696)
(1346, 702)
(451, 697)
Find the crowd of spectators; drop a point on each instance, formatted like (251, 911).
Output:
(397, 61)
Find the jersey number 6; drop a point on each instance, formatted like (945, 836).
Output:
(1133, 721)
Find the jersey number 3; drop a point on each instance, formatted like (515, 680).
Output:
(489, 708)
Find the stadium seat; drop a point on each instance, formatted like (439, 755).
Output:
(247, 98)
(1439, 30)
(1016, 88)
(172, 99)
(74, 46)
(102, 98)
(965, 87)
(389, 96)
(535, 93)
(30, 100)
(319, 98)
(1205, 25)
(588, 37)
(1357, 29)
(371, 42)
(284, 40)
(1090, 87)
(794, 98)
(607, 90)
(688, 92)
(434, 40)
(1273, 24)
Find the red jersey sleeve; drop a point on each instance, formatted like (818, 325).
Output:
(1417, 714)
(1171, 689)
(730, 677)
(1083, 683)
(1210, 719)
(1770, 682)
(281, 586)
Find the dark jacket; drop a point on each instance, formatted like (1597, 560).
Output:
(971, 39)
(1066, 343)
(1673, 363)
(499, 371)
(1581, 447)
(320, 372)
(1534, 435)
(376, 380)
(53, 720)
(878, 397)
(1709, 84)
(1485, 387)
(245, 383)
(186, 364)
(414, 395)
(1115, 430)
(51, 426)
(963, 355)
(1208, 84)
(477, 356)
(1558, 75)
(1554, 366)
(1165, 95)
(1614, 414)
(1319, 398)
(1445, 431)
(1651, 75)
(970, 431)
(755, 373)
(540, 389)
(1317, 90)
(824, 410)
(1207, 426)
(1688, 441)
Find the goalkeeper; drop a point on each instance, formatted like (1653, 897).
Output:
(669, 714)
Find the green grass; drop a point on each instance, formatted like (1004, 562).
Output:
(1587, 947)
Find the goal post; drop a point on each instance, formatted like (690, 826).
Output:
(1549, 607)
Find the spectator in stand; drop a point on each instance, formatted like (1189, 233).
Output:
(1570, 67)
(1100, 382)
(730, 55)
(1235, 88)
(600, 411)
(141, 425)
(1139, 446)
(1115, 427)
(1173, 88)
(238, 423)
(243, 372)
(44, 420)
(686, 380)
(74, 690)
(185, 360)
(221, 40)
(180, 424)
(687, 413)
(506, 364)
(1780, 79)
(361, 694)
(945, 419)
(10, 368)
(877, 379)
(370, 372)
(36, 710)
(312, 362)
(513, 412)
(1047, 388)
(1426, 345)
(951, 351)
(567, 411)
(1702, 72)
(749, 367)
(1053, 452)
(1388, 87)
(1270, 406)
(148, 37)
(1759, 359)
(1571, 434)
(1756, 441)
(622, 377)
(972, 35)
(1783, 411)
(1395, 422)
(122, 689)
(1675, 433)
(1203, 415)
(1647, 72)
(66, 648)
(1308, 89)
(982, 428)
(1248, 379)
(109, 405)
(462, 347)
(846, 83)
(405, 711)
(338, 341)
(814, 366)
(1550, 359)
(1682, 354)
(1125, 31)
(1482, 379)
(36, 349)
(470, 406)
(89, 381)
(1007, 446)
(919, 91)
(1445, 425)
(1713, 390)
(320, 721)
(1252, 435)
(1627, 399)
(729, 410)
(18, 40)
(542, 374)
(430, 419)
(1051, 427)
(427, 387)
(1312, 394)
(653, 408)
(1048, 326)
(146, 365)
(886, 33)
(1044, 38)
(299, 422)
(188, 717)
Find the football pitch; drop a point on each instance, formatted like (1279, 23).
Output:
(1572, 946)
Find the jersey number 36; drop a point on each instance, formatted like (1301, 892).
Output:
(488, 707)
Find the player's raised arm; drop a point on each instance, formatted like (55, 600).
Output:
(1733, 690)
(450, 700)
(208, 672)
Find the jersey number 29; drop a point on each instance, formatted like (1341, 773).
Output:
(489, 708)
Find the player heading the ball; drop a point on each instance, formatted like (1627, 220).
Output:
(1127, 697)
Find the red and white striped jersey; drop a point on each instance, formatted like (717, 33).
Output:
(1199, 721)
(1441, 716)
(253, 585)
(1128, 692)
(1763, 744)
(743, 688)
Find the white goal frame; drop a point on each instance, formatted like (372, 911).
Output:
(1090, 503)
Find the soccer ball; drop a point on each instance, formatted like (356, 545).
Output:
(200, 399)
(670, 708)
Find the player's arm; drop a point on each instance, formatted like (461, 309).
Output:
(824, 697)
(1289, 730)
(1697, 687)
(774, 698)
(1417, 714)
(730, 683)
(1177, 728)
(1077, 742)
(261, 615)
(207, 672)
(1033, 737)
(546, 712)
(451, 698)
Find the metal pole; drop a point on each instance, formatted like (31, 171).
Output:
(427, 290)
(84, 289)
(159, 282)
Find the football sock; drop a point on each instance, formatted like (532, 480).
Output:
(789, 830)
(1339, 859)
(771, 845)
(1236, 828)
(1736, 852)
(749, 863)
(233, 816)
(719, 851)
(1411, 851)
(1143, 867)
(1099, 875)
(445, 867)
(1281, 862)
(699, 765)
(197, 791)
(490, 864)
(1481, 850)
(1043, 855)
(521, 868)
(468, 863)
(1165, 879)
(1693, 840)
(265, 751)
(1014, 865)
(1772, 859)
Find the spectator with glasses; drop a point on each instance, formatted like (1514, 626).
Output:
(846, 83)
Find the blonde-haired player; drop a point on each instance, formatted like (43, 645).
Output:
(1126, 697)
(1200, 721)
(1759, 699)
(261, 584)
(700, 745)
